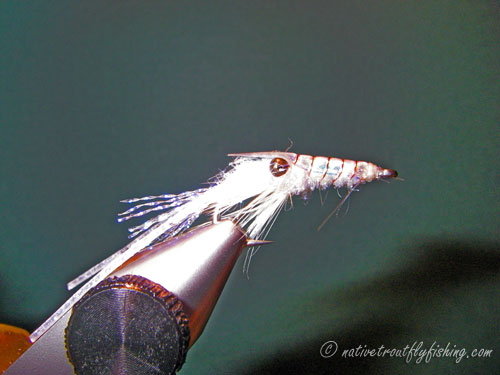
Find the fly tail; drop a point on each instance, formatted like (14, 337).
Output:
(183, 210)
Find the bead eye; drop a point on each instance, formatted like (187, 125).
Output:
(278, 167)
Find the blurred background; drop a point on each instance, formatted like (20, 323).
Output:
(110, 100)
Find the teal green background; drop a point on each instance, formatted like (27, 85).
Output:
(102, 101)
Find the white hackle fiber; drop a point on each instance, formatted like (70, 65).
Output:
(246, 177)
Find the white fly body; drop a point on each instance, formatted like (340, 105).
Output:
(251, 192)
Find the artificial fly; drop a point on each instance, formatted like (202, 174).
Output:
(262, 180)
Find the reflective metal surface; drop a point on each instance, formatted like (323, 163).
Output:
(127, 325)
(194, 266)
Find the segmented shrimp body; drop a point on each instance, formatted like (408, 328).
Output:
(298, 174)
(325, 172)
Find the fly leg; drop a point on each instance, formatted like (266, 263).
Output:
(336, 209)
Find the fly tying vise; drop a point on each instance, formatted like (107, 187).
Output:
(266, 180)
